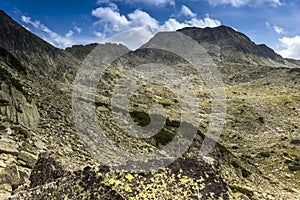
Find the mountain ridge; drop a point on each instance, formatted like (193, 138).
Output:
(229, 39)
(40, 57)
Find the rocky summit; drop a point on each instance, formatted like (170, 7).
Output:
(42, 155)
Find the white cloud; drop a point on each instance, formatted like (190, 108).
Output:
(138, 27)
(154, 2)
(206, 22)
(268, 26)
(278, 29)
(149, 2)
(26, 19)
(112, 18)
(140, 19)
(172, 25)
(275, 28)
(132, 38)
(77, 29)
(69, 34)
(291, 47)
(102, 1)
(239, 3)
(49, 35)
(187, 12)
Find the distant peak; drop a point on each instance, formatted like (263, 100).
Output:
(229, 40)
(221, 27)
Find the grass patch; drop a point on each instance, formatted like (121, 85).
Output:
(142, 118)
(164, 137)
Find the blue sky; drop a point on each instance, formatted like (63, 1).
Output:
(133, 22)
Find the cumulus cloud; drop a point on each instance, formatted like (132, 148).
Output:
(291, 47)
(240, 3)
(142, 19)
(172, 25)
(187, 12)
(206, 22)
(138, 27)
(111, 18)
(132, 38)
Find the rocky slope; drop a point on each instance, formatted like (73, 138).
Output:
(42, 157)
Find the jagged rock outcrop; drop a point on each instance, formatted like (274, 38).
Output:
(189, 178)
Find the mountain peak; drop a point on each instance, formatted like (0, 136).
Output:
(212, 34)
(229, 40)
(221, 27)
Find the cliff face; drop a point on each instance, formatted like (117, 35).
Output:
(42, 156)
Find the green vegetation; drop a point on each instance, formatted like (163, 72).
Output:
(141, 118)
(164, 137)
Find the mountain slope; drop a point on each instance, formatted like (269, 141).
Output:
(37, 55)
(262, 109)
(42, 157)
